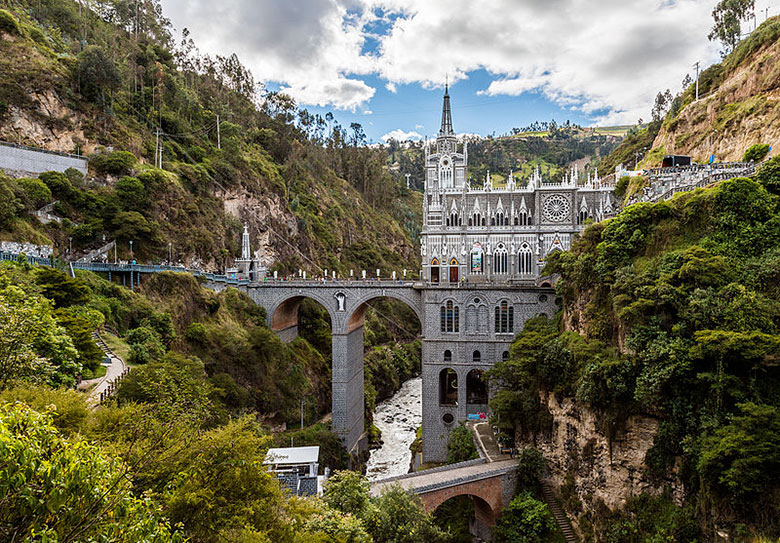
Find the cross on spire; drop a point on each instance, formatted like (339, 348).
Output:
(446, 113)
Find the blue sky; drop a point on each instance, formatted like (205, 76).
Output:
(413, 109)
(382, 63)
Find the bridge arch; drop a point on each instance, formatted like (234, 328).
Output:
(356, 316)
(282, 314)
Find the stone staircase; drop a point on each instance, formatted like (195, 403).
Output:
(560, 517)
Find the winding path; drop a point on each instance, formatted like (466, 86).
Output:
(113, 372)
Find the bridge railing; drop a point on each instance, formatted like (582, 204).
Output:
(448, 467)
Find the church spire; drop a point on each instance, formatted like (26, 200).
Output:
(446, 114)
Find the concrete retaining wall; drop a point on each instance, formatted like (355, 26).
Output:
(19, 161)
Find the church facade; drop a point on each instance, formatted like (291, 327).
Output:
(483, 248)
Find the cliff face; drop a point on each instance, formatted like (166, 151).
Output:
(742, 110)
(588, 467)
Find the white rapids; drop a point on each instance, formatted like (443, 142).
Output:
(398, 418)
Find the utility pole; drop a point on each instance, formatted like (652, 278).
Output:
(301, 413)
(157, 147)
(219, 142)
(697, 79)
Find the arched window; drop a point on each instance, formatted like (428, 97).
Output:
(453, 219)
(505, 356)
(476, 388)
(582, 216)
(525, 260)
(500, 260)
(500, 218)
(448, 356)
(483, 221)
(505, 318)
(476, 357)
(448, 387)
(450, 317)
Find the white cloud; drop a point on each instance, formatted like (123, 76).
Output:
(607, 58)
(400, 135)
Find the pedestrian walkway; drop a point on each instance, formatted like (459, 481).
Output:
(102, 385)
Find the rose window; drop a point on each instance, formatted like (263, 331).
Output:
(556, 208)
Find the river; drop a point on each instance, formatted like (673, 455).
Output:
(398, 418)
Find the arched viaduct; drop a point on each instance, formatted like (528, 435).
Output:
(346, 304)
(465, 330)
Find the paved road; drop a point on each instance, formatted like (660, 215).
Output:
(443, 478)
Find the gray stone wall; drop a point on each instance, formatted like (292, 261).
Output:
(21, 161)
(476, 333)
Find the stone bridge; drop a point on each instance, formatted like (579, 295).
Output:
(346, 303)
(490, 485)
(466, 328)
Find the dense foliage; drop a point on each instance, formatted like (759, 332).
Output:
(671, 310)
(115, 75)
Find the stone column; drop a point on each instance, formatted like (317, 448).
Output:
(348, 398)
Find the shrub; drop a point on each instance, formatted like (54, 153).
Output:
(769, 175)
(527, 520)
(461, 445)
(8, 23)
(58, 183)
(114, 163)
(36, 193)
(139, 354)
(756, 152)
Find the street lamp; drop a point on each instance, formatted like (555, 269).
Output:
(170, 259)
(131, 251)
(70, 247)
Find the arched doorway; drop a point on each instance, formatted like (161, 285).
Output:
(435, 270)
(454, 271)
(448, 387)
(476, 388)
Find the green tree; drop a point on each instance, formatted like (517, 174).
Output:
(526, 520)
(97, 75)
(769, 175)
(728, 16)
(64, 291)
(399, 517)
(131, 194)
(348, 492)
(460, 446)
(33, 346)
(67, 491)
(741, 460)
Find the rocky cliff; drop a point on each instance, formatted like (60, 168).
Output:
(739, 104)
(593, 464)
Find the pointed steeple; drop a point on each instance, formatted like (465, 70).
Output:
(446, 114)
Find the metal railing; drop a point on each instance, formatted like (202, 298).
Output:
(41, 150)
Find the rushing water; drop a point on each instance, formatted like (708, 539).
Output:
(398, 418)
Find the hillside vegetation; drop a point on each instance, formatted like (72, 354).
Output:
(739, 103)
(92, 80)
(552, 150)
(670, 310)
